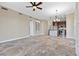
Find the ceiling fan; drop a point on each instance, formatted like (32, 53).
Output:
(35, 5)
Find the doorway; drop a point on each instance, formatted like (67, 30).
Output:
(61, 28)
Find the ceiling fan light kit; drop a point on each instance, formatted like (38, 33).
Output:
(35, 5)
(34, 8)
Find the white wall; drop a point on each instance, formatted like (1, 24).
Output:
(50, 23)
(13, 25)
(77, 28)
(70, 26)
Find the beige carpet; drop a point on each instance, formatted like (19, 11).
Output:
(39, 46)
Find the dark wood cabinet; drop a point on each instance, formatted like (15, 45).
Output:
(59, 24)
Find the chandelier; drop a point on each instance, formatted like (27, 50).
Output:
(59, 17)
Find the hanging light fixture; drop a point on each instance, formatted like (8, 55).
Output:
(58, 17)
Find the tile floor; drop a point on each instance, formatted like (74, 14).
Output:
(39, 46)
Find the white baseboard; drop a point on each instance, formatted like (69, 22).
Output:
(21, 37)
(71, 38)
(15, 39)
(38, 34)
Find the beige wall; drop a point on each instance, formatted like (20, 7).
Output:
(70, 25)
(44, 27)
(13, 25)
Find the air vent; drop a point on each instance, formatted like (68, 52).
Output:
(20, 13)
(30, 17)
(4, 8)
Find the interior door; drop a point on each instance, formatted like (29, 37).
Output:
(31, 28)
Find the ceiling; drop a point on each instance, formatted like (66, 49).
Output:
(49, 8)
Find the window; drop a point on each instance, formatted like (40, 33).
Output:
(37, 26)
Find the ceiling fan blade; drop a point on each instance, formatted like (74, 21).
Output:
(39, 8)
(32, 3)
(28, 6)
(39, 3)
